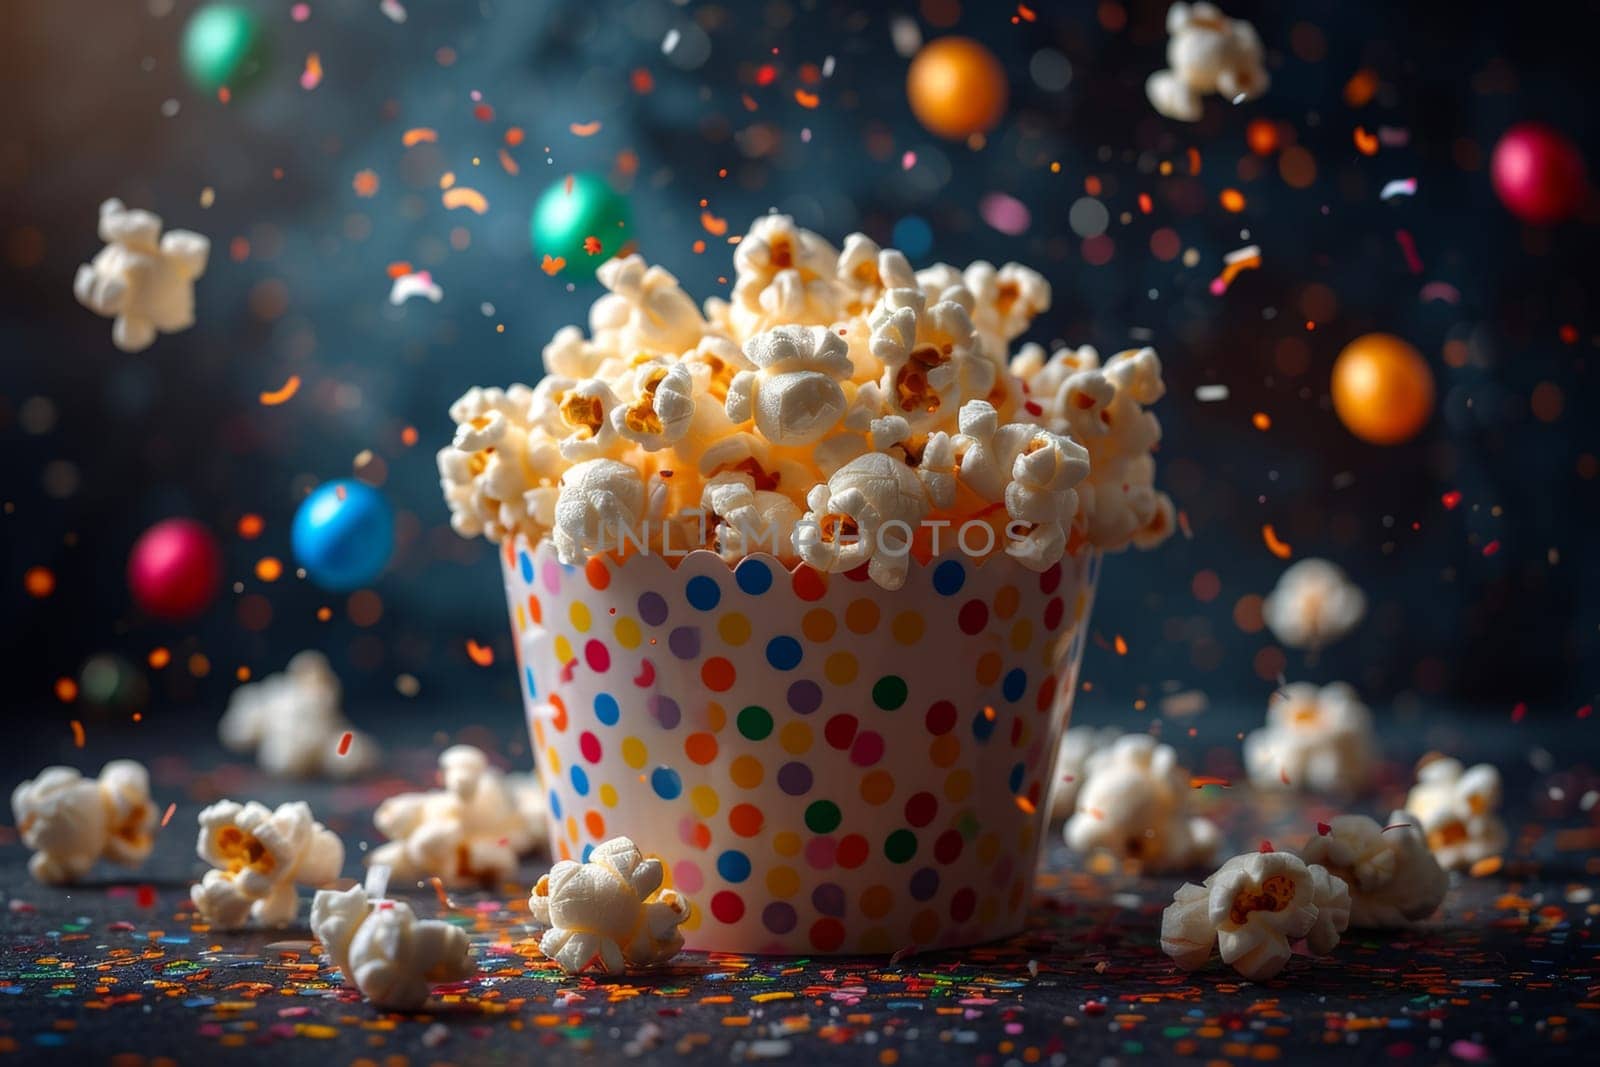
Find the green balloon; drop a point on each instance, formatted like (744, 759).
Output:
(564, 220)
(223, 46)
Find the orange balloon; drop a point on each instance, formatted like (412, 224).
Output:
(1382, 389)
(957, 87)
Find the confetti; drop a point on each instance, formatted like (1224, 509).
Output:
(462, 196)
(1275, 546)
(1398, 187)
(311, 77)
(419, 135)
(585, 129)
(1242, 259)
(552, 265)
(282, 394)
(482, 655)
(1210, 394)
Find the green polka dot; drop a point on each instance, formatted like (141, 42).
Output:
(823, 817)
(755, 722)
(900, 846)
(889, 692)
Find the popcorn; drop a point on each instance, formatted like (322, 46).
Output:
(1134, 804)
(385, 951)
(748, 519)
(1038, 471)
(930, 355)
(610, 910)
(865, 271)
(1393, 878)
(293, 723)
(1456, 809)
(794, 395)
(785, 278)
(70, 821)
(661, 407)
(1208, 53)
(467, 834)
(601, 500)
(1078, 745)
(142, 278)
(1005, 302)
(258, 856)
(1252, 908)
(1318, 740)
(1313, 605)
(488, 470)
(645, 311)
(866, 513)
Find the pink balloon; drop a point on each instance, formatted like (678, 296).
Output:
(1538, 173)
(174, 569)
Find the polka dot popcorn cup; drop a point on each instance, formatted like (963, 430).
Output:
(823, 765)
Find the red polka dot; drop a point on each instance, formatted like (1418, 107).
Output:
(1053, 612)
(808, 584)
(840, 731)
(867, 750)
(1016, 732)
(597, 573)
(589, 745)
(921, 809)
(974, 616)
(1050, 579)
(1033, 795)
(1047, 692)
(859, 574)
(962, 903)
(941, 717)
(827, 935)
(598, 658)
(746, 820)
(727, 906)
(947, 849)
(717, 674)
(853, 851)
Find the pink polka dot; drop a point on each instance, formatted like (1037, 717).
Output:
(597, 656)
(551, 573)
(687, 877)
(868, 749)
(820, 853)
(589, 745)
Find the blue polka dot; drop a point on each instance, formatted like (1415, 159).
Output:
(784, 653)
(606, 710)
(754, 577)
(1015, 781)
(734, 866)
(703, 593)
(983, 726)
(1014, 684)
(666, 783)
(527, 566)
(555, 803)
(580, 781)
(588, 850)
(949, 577)
(533, 687)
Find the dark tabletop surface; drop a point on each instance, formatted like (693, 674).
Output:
(114, 971)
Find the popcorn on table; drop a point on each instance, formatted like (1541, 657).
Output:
(1458, 809)
(1394, 880)
(1317, 740)
(1251, 910)
(293, 723)
(70, 821)
(1134, 804)
(1078, 745)
(467, 834)
(142, 278)
(839, 385)
(385, 951)
(1207, 52)
(1313, 605)
(610, 911)
(259, 856)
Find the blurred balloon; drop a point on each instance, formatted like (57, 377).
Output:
(108, 683)
(174, 569)
(1382, 389)
(957, 87)
(223, 46)
(568, 215)
(1538, 174)
(343, 535)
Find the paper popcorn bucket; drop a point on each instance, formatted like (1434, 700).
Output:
(823, 765)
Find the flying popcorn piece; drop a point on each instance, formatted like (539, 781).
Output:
(866, 513)
(467, 834)
(385, 951)
(785, 278)
(1313, 605)
(610, 912)
(1207, 52)
(409, 285)
(293, 723)
(1458, 811)
(259, 856)
(644, 310)
(70, 822)
(1077, 746)
(793, 395)
(1252, 909)
(1393, 879)
(1316, 740)
(142, 279)
(1134, 804)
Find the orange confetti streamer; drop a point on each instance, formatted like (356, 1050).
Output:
(1120, 645)
(344, 743)
(1200, 781)
(1275, 546)
(167, 816)
(467, 197)
(1025, 805)
(78, 737)
(1261, 421)
(1486, 866)
(585, 129)
(419, 135)
(1366, 143)
(805, 99)
(482, 655)
(279, 396)
(714, 226)
(552, 265)
(508, 164)
(398, 269)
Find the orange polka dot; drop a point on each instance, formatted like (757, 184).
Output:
(818, 625)
(717, 674)
(534, 611)
(783, 881)
(596, 571)
(746, 772)
(746, 820)
(958, 786)
(808, 584)
(700, 836)
(945, 750)
(862, 616)
(877, 787)
(989, 668)
(595, 823)
(559, 719)
(876, 900)
(716, 716)
(701, 748)
(1005, 602)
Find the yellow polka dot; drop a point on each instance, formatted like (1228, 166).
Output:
(988, 847)
(786, 843)
(553, 758)
(563, 649)
(840, 668)
(522, 617)
(877, 787)
(958, 785)
(1022, 635)
(907, 627)
(634, 754)
(627, 632)
(1025, 837)
(572, 829)
(988, 668)
(818, 625)
(716, 716)
(734, 628)
(795, 738)
(1005, 602)
(862, 616)
(579, 613)
(782, 881)
(704, 799)
(746, 772)
(608, 795)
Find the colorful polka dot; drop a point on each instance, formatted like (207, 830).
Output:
(596, 655)
(665, 711)
(778, 917)
(907, 628)
(753, 577)
(666, 782)
(727, 906)
(1014, 684)
(634, 753)
(823, 817)
(579, 614)
(627, 633)
(580, 781)
(794, 778)
(818, 625)
(889, 692)
(734, 629)
(589, 745)
(652, 609)
(684, 642)
(703, 593)
(949, 577)
(796, 738)
(717, 674)
(840, 668)
(755, 723)
(746, 772)
(784, 653)
(733, 866)
(861, 617)
(606, 710)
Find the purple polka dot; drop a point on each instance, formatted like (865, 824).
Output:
(665, 711)
(653, 609)
(820, 852)
(685, 642)
(778, 917)
(794, 779)
(805, 697)
(924, 884)
(828, 899)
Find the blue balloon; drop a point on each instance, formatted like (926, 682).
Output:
(343, 535)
